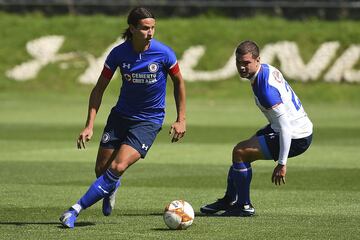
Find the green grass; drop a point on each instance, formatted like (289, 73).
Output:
(42, 173)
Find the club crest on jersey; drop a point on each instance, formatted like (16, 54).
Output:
(127, 77)
(105, 137)
(278, 76)
(153, 67)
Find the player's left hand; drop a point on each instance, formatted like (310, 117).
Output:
(177, 130)
(278, 175)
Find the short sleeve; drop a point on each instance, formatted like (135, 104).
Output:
(111, 60)
(170, 60)
(270, 97)
(267, 94)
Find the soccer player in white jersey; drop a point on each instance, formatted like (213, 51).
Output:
(137, 117)
(288, 134)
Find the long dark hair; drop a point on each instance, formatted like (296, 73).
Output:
(134, 16)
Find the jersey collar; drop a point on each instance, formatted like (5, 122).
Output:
(252, 79)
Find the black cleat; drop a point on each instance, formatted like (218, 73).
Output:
(220, 205)
(239, 211)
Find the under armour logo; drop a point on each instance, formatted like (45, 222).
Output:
(144, 147)
(126, 65)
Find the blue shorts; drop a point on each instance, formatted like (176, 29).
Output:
(138, 134)
(270, 143)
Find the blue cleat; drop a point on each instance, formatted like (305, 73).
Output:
(109, 201)
(68, 218)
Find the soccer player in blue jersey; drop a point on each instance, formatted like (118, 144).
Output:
(137, 117)
(288, 134)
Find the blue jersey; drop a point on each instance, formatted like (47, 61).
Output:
(144, 74)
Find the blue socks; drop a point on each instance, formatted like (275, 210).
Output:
(240, 175)
(103, 186)
(231, 193)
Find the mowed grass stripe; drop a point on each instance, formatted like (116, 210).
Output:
(196, 176)
(304, 216)
(42, 173)
(195, 134)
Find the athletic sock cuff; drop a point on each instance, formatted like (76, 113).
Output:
(77, 207)
(242, 166)
(111, 176)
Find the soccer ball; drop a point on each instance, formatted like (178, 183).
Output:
(179, 214)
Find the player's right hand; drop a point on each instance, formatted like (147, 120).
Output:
(278, 175)
(177, 130)
(84, 136)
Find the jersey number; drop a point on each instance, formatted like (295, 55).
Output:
(295, 100)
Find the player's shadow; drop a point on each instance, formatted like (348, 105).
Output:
(165, 229)
(197, 214)
(78, 224)
(200, 214)
(138, 214)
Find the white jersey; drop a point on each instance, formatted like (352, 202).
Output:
(282, 108)
(271, 89)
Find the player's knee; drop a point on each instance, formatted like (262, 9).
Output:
(242, 154)
(238, 154)
(120, 167)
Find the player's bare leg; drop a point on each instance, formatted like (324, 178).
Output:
(119, 160)
(103, 185)
(104, 159)
(243, 154)
(233, 203)
(125, 157)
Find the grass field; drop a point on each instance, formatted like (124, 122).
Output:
(42, 173)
